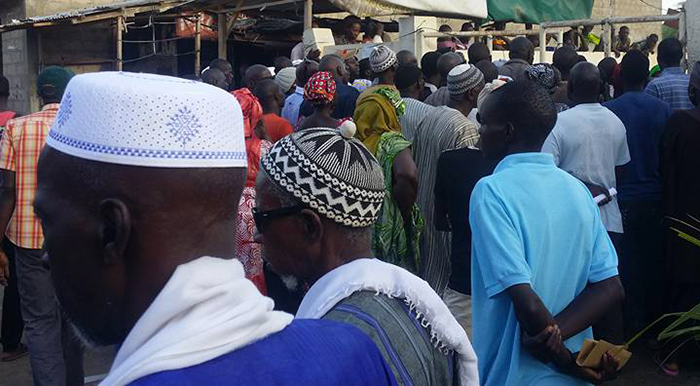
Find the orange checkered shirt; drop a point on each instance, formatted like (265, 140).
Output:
(21, 145)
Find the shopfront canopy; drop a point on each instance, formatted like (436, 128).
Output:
(537, 11)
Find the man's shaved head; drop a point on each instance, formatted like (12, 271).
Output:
(254, 74)
(406, 57)
(116, 233)
(215, 77)
(584, 83)
(305, 71)
(335, 65)
(478, 52)
(225, 67)
(522, 48)
(447, 62)
(564, 59)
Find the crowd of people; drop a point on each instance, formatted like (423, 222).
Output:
(436, 220)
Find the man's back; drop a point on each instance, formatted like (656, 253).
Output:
(21, 145)
(416, 111)
(645, 119)
(534, 224)
(307, 352)
(589, 141)
(404, 343)
(671, 87)
(514, 68)
(458, 171)
(443, 129)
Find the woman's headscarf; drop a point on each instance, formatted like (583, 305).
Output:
(252, 115)
(545, 75)
(320, 88)
(377, 113)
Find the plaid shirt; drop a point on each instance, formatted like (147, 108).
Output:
(21, 145)
(672, 87)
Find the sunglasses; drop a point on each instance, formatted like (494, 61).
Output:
(263, 219)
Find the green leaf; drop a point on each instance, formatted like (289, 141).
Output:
(694, 314)
(687, 237)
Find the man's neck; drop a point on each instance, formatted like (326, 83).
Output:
(634, 88)
(386, 80)
(434, 80)
(463, 106)
(271, 108)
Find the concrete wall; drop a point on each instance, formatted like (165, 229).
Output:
(692, 9)
(19, 66)
(602, 8)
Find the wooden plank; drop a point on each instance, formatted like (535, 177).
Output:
(120, 47)
(198, 45)
(223, 35)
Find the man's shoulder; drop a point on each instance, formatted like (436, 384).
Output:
(280, 358)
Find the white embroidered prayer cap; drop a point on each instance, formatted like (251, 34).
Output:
(149, 120)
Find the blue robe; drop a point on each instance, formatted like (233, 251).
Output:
(307, 352)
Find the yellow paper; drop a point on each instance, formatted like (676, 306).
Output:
(591, 353)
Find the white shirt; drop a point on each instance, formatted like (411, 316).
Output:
(589, 141)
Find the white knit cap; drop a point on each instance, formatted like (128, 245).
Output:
(286, 78)
(381, 59)
(149, 120)
(463, 78)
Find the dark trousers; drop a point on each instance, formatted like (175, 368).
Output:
(12, 323)
(55, 354)
(610, 328)
(642, 263)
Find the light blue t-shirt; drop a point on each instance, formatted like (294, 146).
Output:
(531, 223)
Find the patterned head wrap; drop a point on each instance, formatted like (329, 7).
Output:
(381, 59)
(320, 89)
(331, 172)
(252, 111)
(545, 75)
(463, 78)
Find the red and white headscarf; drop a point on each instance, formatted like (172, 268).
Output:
(320, 89)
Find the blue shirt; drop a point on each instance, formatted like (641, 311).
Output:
(532, 223)
(307, 352)
(645, 119)
(671, 87)
(292, 104)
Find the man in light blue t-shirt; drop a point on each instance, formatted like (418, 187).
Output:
(543, 266)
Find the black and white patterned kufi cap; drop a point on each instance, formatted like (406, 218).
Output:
(381, 58)
(463, 78)
(331, 172)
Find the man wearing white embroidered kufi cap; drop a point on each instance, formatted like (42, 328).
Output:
(137, 192)
(320, 192)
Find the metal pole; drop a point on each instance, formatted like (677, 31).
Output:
(560, 38)
(606, 39)
(198, 45)
(308, 14)
(489, 42)
(223, 34)
(543, 44)
(120, 52)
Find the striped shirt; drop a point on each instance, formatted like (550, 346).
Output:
(21, 145)
(442, 129)
(441, 97)
(405, 344)
(672, 87)
(416, 111)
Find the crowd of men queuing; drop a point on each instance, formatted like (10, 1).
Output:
(431, 221)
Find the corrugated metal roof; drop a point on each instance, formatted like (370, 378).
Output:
(85, 12)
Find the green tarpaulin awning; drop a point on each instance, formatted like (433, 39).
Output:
(537, 11)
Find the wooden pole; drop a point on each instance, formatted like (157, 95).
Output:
(120, 51)
(223, 34)
(607, 44)
(308, 14)
(543, 44)
(198, 45)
